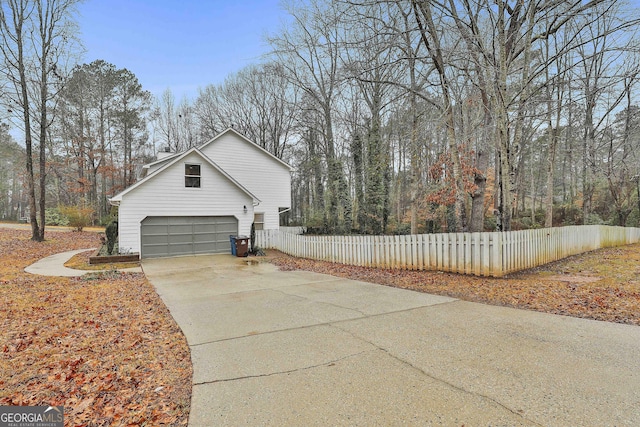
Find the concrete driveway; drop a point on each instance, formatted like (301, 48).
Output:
(272, 348)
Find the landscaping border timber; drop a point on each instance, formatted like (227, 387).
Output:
(96, 258)
(481, 254)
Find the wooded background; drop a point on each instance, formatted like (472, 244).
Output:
(399, 116)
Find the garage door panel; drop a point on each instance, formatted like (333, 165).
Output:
(204, 248)
(155, 251)
(205, 238)
(180, 229)
(204, 228)
(157, 239)
(230, 227)
(156, 220)
(177, 220)
(181, 249)
(172, 236)
(156, 229)
(180, 238)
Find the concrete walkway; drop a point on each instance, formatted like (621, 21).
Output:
(274, 348)
(54, 266)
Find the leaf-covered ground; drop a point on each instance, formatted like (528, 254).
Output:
(81, 262)
(103, 345)
(601, 285)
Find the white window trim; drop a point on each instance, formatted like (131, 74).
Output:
(192, 176)
(256, 223)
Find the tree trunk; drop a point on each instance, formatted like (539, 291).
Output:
(20, 17)
(477, 198)
(430, 38)
(337, 208)
(482, 164)
(587, 143)
(551, 164)
(416, 164)
(358, 171)
(375, 177)
(504, 175)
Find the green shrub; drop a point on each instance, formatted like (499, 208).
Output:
(526, 222)
(252, 238)
(402, 229)
(594, 219)
(111, 216)
(634, 219)
(567, 215)
(53, 216)
(490, 223)
(106, 220)
(79, 217)
(112, 235)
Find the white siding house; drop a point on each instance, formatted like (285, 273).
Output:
(191, 202)
(257, 170)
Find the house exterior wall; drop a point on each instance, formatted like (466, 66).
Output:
(166, 195)
(259, 173)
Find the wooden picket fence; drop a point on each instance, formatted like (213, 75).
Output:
(481, 254)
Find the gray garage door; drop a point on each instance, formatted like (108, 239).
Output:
(186, 235)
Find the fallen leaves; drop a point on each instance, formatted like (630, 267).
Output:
(601, 285)
(103, 345)
(81, 262)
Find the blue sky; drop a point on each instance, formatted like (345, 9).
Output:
(179, 44)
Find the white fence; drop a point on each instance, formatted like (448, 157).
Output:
(293, 230)
(481, 254)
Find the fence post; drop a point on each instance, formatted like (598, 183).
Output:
(439, 248)
(496, 255)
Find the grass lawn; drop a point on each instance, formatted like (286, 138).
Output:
(103, 345)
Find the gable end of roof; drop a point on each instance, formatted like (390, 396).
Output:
(248, 141)
(118, 197)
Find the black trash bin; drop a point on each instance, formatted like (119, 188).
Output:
(242, 246)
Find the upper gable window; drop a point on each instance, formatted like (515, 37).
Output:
(192, 176)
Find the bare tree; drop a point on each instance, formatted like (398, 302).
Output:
(309, 53)
(165, 121)
(130, 117)
(11, 168)
(370, 59)
(431, 37)
(36, 37)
